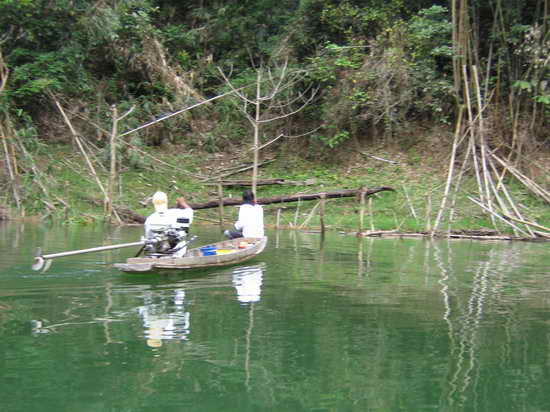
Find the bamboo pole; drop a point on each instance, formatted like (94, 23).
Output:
(256, 125)
(220, 208)
(450, 173)
(113, 168)
(482, 142)
(362, 209)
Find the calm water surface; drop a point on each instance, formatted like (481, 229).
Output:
(341, 325)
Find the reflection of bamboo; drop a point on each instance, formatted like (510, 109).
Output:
(369, 252)
(107, 321)
(297, 212)
(322, 213)
(371, 214)
(361, 209)
(248, 339)
(360, 263)
(464, 349)
(321, 256)
(444, 282)
(311, 213)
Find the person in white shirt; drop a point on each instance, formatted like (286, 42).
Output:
(250, 222)
(178, 219)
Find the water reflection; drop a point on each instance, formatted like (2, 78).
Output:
(164, 319)
(347, 324)
(247, 281)
(469, 315)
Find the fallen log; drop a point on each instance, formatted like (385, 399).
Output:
(291, 198)
(264, 182)
(232, 201)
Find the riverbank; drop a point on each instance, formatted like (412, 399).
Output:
(64, 191)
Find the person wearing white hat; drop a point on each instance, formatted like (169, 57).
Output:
(160, 218)
(177, 219)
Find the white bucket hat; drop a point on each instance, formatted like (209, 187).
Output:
(160, 202)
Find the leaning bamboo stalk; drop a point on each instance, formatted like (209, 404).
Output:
(484, 207)
(509, 198)
(472, 134)
(310, 215)
(450, 173)
(457, 183)
(11, 173)
(35, 170)
(527, 223)
(84, 154)
(81, 148)
(503, 206)
(530, 184)
(411, 207)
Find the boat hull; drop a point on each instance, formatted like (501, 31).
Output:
(195, 258)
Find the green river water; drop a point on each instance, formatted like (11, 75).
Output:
(343, 324)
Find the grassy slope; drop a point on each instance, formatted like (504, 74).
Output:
(418, 177)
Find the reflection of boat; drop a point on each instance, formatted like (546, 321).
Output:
(227, 252)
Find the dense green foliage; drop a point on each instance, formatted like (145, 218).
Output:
(380, 64)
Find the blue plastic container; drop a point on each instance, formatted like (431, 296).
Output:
(208, 250)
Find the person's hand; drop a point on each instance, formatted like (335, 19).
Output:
(181, 203)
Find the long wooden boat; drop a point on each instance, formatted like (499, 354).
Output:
(227, 252)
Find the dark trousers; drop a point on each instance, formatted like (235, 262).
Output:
(233, 234)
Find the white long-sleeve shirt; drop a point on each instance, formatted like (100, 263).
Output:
(166, 219)
(251, 220)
